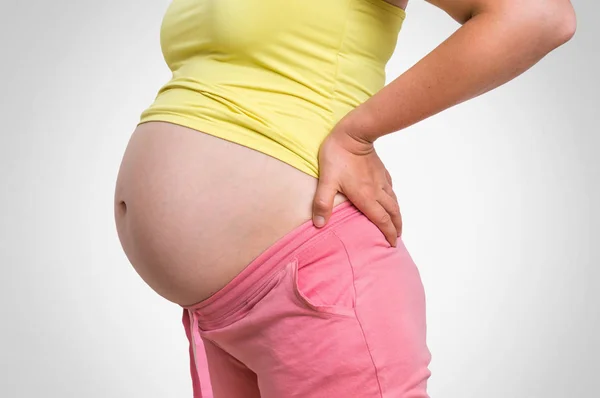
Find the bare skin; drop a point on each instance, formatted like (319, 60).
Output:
(192, 210)
(495, 44)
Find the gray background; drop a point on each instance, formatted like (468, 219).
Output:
(498, 198)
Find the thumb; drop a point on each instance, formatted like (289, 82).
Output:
(323, 203)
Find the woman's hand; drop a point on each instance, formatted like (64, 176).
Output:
(350, 165)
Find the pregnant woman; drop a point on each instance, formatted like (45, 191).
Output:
(250, 193)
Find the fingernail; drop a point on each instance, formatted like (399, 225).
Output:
(319, 221)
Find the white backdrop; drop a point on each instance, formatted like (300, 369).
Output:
(497, 195)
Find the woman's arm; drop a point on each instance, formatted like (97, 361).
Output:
(498, 40)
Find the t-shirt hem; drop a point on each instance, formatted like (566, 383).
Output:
(250, 140)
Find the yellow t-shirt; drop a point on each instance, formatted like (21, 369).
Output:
(273, 75)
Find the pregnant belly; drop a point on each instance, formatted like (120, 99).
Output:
(193, 210)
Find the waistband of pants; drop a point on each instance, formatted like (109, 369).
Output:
(268, 263)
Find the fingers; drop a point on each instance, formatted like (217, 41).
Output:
(388, 189)
(388, 177)
(323, 203)
(389, 202)
(382, 219)
(374, 210)
(381, 208)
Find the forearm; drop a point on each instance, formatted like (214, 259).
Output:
(491, 48)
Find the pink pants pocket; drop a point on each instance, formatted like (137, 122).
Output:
(323, 278)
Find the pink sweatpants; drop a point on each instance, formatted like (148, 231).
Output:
(323, 313)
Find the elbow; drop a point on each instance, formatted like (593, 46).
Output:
(542, 25)
(555, 23)
(565, 24)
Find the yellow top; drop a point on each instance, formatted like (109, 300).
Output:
(273, 75)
